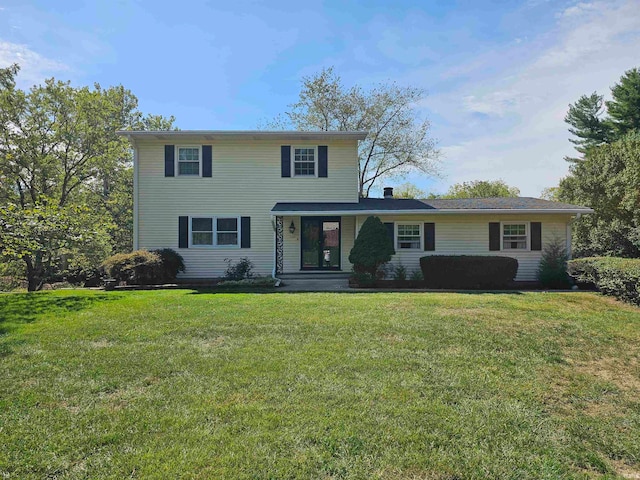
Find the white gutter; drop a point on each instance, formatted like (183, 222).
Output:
(439, 211)
(135, 192)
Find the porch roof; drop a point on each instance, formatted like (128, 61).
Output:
(405, 206)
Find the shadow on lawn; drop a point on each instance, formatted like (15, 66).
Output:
(17, 309)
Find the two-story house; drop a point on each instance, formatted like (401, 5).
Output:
(289, 202)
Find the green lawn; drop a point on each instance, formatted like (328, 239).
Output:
(181, 384)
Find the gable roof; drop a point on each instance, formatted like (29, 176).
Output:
(430, 206)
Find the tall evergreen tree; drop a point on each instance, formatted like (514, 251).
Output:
(624, 109)
(584, 118)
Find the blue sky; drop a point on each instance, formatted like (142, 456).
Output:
(499, 75)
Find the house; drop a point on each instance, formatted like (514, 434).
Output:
(289, 202)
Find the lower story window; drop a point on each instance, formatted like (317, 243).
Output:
(408, 236)
(214, 231)
(514, 236)
(227, 231)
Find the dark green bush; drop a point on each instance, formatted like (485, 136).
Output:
(372, 248)
(552, 271)
(172, 263)
(241, 270)
(136, 268)
(618, 277)
(468, 271)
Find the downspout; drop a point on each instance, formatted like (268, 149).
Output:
(135, 192)
(569, 233)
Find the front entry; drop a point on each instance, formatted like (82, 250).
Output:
(320, 243)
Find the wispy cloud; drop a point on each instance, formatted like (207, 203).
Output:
(34, 68)
(521, 135)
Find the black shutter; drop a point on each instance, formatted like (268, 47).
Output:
(245, 232)
(183, 232)
(429, 237)
(494, 236)
(169, 160)
(206, 160)
(536, 236)
(323, 161)
(390, 231)
(285, 160)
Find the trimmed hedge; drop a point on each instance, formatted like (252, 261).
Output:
(618, 277)
(468, 271)
(144, 268)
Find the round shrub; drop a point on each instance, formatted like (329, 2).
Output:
(136, 268)
(172, 263)
(468, 271)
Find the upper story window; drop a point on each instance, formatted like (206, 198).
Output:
(515, 236)
(304, 161)
(409, 236)
(215, 231)
(189, 158)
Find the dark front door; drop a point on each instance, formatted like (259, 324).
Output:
(320, 243)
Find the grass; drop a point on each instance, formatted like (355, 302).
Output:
(187, 384)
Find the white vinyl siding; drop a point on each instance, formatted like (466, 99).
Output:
(246, 181)
(468, 234)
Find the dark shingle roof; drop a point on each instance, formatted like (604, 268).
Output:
(433, 205)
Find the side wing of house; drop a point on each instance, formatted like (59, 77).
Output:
(520, 236)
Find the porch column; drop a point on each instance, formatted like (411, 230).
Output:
(279, 245)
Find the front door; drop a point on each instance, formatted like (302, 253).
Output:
(320, 243)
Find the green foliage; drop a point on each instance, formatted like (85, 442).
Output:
(618, 277)
(607, 180)
(58, 148)
(552, 271)
(481, 189)
(416, 275)
(136, 268)
(399, 272)
(586, 123)
(624, 108)
(261, 282)
(172, 263)
(408, 190)
(240, 270)
(398, 142)
(372, 248)
(468, 271)
(44, 236)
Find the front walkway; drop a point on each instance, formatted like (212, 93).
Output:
(314, 283)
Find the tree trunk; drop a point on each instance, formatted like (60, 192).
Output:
(34, 273)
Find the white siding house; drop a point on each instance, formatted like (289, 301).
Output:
(289, 202)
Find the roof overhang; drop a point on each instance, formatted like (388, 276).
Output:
(451, 211)
(212, 135)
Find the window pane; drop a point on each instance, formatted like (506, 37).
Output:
(188, 168)
(201, 224)
(227, 224)
(227, 239)
(202, 238)
(408, 236)
(304, 168)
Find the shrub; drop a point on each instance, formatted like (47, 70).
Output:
(399, 272)
(618, 277)
(240, 270)
(416, 275)
(136, 268)
(552, 271)
(249, 282)
(468, 271)
(172, 263)
(372, 248)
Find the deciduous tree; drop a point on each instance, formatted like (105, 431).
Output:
(481, 189)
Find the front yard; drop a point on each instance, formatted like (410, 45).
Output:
(186, 384)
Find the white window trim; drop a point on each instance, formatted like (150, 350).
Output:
(215, 232)
(293, 161)
(527, 231)
(177, 162)
(395, 237)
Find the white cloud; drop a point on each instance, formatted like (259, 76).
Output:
(523, 138)
(34, 68)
